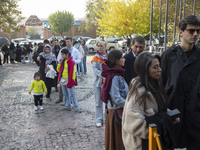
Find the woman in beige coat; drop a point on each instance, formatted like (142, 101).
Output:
(146, 98)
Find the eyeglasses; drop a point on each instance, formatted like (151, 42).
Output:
(191, 31)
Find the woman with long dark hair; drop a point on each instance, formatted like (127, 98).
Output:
(114, 92)
(145, 104)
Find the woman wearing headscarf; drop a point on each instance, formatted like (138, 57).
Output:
(47, 61)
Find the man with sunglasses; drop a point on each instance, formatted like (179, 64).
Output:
(137, 46)
(181, 79)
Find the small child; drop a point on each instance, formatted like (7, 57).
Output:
(38, 86)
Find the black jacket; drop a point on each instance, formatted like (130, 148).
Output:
(180, 73)
(48, 81)
(129, 67)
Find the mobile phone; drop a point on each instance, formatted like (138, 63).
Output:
(175, 113)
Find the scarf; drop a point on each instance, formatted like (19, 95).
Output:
(71, 64)
(109, 73)
(99, 58)
(48, 57)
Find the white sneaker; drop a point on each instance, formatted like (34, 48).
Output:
(41, 108)
(36, 108)
(98, 124)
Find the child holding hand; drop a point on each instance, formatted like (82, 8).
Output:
(38, 86)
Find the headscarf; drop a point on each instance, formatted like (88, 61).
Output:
(48, 57)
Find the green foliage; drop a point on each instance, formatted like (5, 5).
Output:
(61, 21)
(33, 33)
(91, 7)
(10, 16)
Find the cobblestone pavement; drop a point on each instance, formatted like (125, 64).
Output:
(21, 128)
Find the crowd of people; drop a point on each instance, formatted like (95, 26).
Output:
(59, 62)
(157, 86)
(16, 53)
(137, 88)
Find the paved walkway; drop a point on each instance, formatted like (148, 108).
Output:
(22, 128)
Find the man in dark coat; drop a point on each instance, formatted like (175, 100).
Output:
(181, 78)
(137, 46)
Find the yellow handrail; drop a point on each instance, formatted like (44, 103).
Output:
(154, 140)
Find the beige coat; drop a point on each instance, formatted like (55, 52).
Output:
(134, 126)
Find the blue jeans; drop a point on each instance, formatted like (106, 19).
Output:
(69, 96)
(80, 67)
(24, 59)
(84, 64)
(30, 57)
(98, 105)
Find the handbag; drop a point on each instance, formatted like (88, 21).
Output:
(63, 81)
(118, 116)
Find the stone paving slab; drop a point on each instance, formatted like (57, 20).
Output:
(55, 128)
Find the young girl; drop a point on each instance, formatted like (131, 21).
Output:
(38, 86)
(114, 92)
(66, 77)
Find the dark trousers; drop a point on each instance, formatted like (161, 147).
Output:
(49, 83)
(38, 98)
(60, 93)
(5, 58)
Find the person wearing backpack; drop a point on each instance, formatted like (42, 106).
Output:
(113, 93)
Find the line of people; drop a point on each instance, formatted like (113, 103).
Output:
(59, 64)
(17, 53)
(156, 85)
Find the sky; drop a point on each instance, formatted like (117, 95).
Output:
(43, 8)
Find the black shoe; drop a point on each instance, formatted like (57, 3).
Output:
(58, 101)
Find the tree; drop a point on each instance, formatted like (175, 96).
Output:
(91, 22)
(10, 16)
(61, 21)
(33, 33)
(126, 17)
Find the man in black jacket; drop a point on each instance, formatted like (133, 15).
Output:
(181, 78)
(137, 46)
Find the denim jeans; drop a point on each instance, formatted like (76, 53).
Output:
(69, 96)
(30, 57)
(80, 67)
(24, 59)
(84, 65)
(98, 105)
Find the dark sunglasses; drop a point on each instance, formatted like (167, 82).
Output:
(191, 31)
